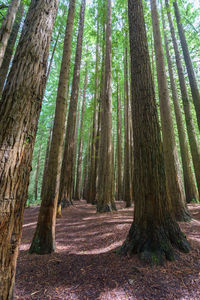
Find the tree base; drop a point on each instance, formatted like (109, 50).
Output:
(106, 208)
(155, 244)
(42, 243)
(183, 215)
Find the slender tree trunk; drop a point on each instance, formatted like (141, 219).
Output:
(186, 105)
(44, 238)
(18, 125)
(75, 151)
(37, 175)
(52, 55)
(154, 232)
(188, 62)
(93, 173)
(66, 180)
(10, 47)
(189, 181)
(119, 145)
(105, 196)
(172, 167)
(6, 27)
(80, 150)
(127, 167)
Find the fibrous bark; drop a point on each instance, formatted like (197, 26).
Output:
(154, 233)
(172, 167)
(19, 113)
(44, 238)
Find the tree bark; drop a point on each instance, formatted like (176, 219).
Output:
(66, 180)
(19, 113)
(105, 201)
(172, 166)
(6, 27)
(189, 181)
(188, 63)
(37, 175)
(44, 238)
(154, 232)
(10, 47)
(80, 150)
(127, 167)
(186, 104)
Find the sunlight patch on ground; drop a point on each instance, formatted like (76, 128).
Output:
(100, 250)
(30, 224)
(24, 247)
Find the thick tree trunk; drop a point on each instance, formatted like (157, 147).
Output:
(119, 145)
(105, 193)
(66, 180)
(154, 232)
(172, 167)
(189, 181)
(10, 47)
(188, 63)
(195, 151)
(80, 150)
(127, 167)
(6, 27)
(44, 238)
(19, 113)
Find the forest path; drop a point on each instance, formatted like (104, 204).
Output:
(85, 265)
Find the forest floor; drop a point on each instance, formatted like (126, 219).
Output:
(85, 265)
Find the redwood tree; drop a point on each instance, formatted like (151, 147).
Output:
(154, 232)
(19, 113)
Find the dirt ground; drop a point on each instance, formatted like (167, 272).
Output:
(85, 265)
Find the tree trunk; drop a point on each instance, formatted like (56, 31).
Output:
(75, 150)
(105, 201)
(37, 174)
(119, 145)
(19, 113)
(66, 180)
(6, 27)
(172, 166)
(186, 105)
(189, 181)
(44, 238)
(127, 167)
(10, 47)
(154, 232)
(188, 62)
(80, 150)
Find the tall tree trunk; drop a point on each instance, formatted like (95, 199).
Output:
(52, 54)
(66, 180)
(44, 237)
(127, 167)
(37, 174)
(18, 124)
(10, 47)
(119, 145)
(189, 181)
(6, 27)
(186, 105)
(154, 232)
(172, 166)
(105, 196)
(93, 173)
(188, 62)
(80, 150)
(75, 150)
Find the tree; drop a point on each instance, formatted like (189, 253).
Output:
(105, 200)
(6, 27)
(66, 177)
(44, 237)
(154, 232)
(172, 167)
(188, 62)
(10, 47)
(189, 181)
(19, 115)
(195, 151)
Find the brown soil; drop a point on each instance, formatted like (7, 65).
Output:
(85, 265)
